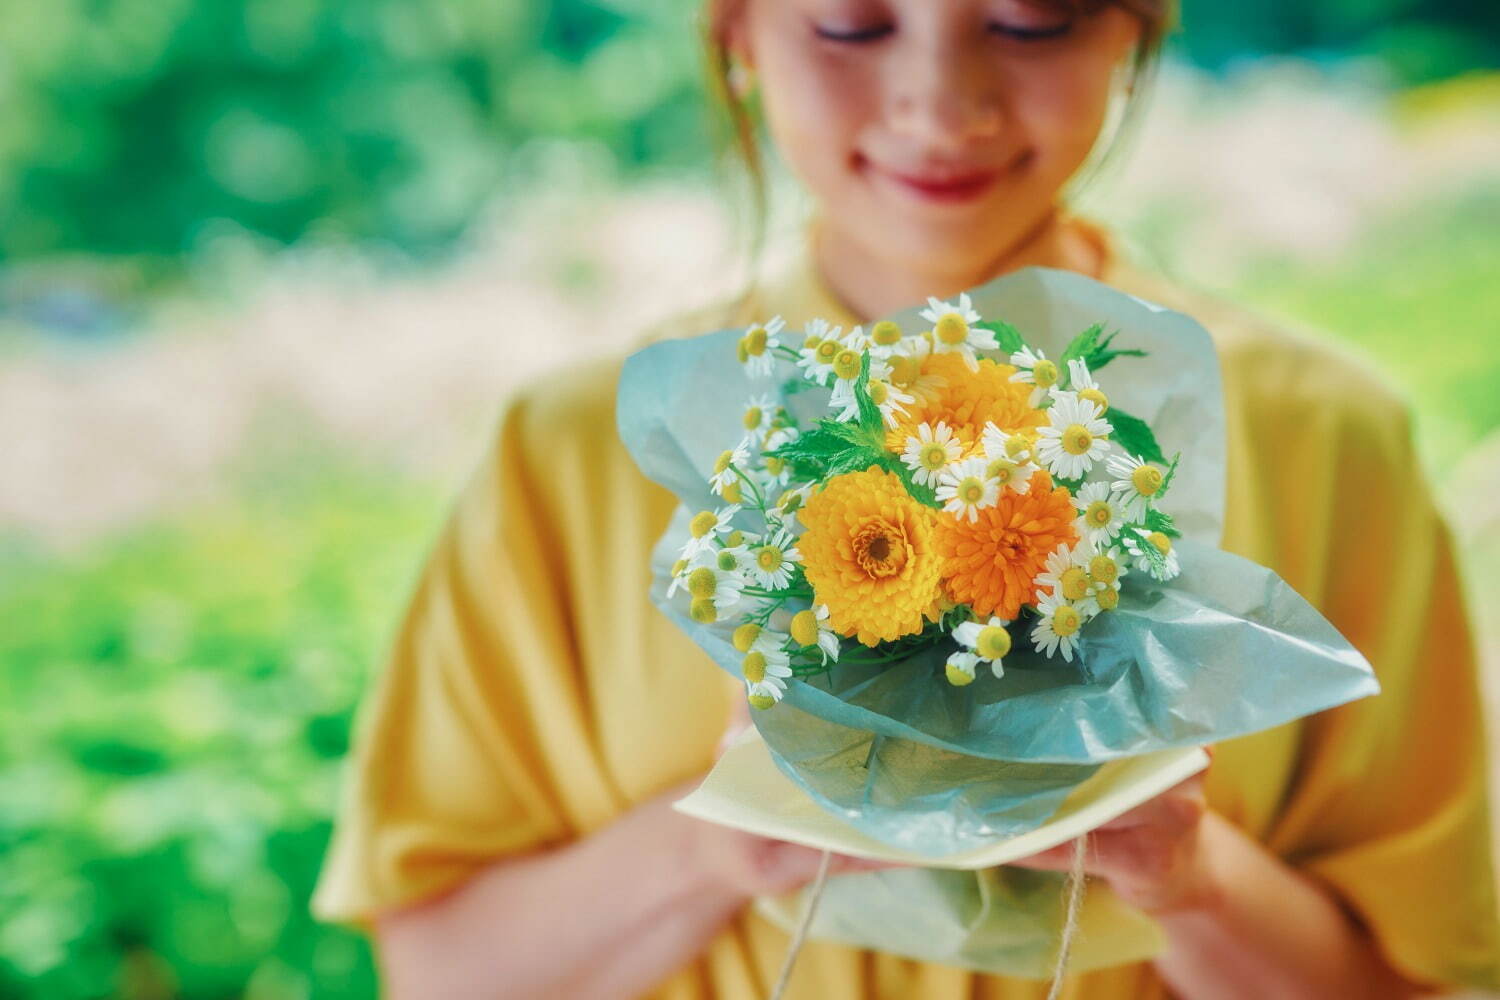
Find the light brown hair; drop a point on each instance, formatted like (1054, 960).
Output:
(739, 140)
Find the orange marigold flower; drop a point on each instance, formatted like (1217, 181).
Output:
(868, 554)
(968, 401)
(991, 563)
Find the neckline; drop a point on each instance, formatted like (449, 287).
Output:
(810, 289)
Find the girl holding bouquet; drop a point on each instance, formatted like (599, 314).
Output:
(507, 830)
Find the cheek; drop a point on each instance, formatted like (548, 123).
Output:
(815, 108)
(1060, 110)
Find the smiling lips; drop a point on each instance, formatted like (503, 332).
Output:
(945, 186)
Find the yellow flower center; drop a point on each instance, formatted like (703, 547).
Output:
(879, 549)
(951, 329)
(702, 581)
(970, 490)
(1075, 583)
(879, 392)
(1016, 445)
(1162, 542)
(744, 637)
(804, 628)
(957, 677)
(761, 701)
(933, 456)
(679, 566)
(813, 340)
(885, 333)
(722, 463)
(1146, 479)
(1045, 373)
(741, 351)
(1096, 397)
(702, 523)
(1001, 469)
(735, 539)
(732, 492)
(726, 561)
(826, 350)
(774, 465)
(703, 611)
(754, 667)
(790, 502)
(768, 558)
(1065, 620)
(1099, 514)
(993, 642)
(753, 418)
(904, 370)
(1076, 440)
(1108, 598)
(755, 341)
(1103, 569)
(846, 363)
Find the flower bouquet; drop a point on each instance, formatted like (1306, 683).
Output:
(973, 590)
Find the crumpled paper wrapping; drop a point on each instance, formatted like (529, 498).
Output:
(932, 771)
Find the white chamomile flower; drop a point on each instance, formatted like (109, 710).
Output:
(757, 347)
(1074, 439)
(960, 668)
(1066, 571)
(1099, 515)
(737, 560)
(714, 593)
(842, 397)
(818, 350)
(906, 370)
(725, 465)
(1136, 484)
(705, 528)
(765, 672)
(774, 559)
(930, 452)
(1082, 383)
(760, 413)
(1008, 459)
(810, 628)
(790, 502)
(780, 436)
(885, 339)
(987, 640)
(954, 332)
(775, 476)
(1105, 570)
(964, 489)
(679, 573)
(889, 400)
(1036, 371)
(1057, 629)
(1153, 553)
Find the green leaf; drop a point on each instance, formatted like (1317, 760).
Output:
(1079, 348)
(792, 386)
(1009, 337)
(1134, 435)
(1158, 521)
(1166, 481)
(869, 414)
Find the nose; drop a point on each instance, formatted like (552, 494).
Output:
(945, 95)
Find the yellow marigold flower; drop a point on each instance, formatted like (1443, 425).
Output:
(990, 564)
(868, 554)
(967, 401)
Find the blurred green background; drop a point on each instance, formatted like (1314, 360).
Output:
(267, 266)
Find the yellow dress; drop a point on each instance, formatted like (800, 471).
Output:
(532, 693)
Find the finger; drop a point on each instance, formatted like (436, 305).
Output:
(1172, 807)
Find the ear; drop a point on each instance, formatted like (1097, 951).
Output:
(737, 32)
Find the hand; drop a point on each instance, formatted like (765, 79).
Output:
(751, 865)
(1153, 856)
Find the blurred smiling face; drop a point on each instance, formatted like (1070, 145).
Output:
(934, 132)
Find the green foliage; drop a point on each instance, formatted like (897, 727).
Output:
(177, 704)
(1135, 436)
(1094, 351)
(1007, 336)
(1159, 521)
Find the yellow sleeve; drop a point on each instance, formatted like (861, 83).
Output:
(474, 724)
(1390, 805)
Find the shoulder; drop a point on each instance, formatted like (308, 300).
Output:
(1286, 378)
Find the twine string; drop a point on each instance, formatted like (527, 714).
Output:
(1074, 887)
(802, 926)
